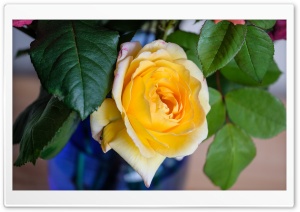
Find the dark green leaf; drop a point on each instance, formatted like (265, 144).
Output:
(233, 73)
(217, 114)
(264, 24)
(37, 107)
(22, 52)
(256, 54)
(48, 125)
(186, 40)
(75, 62)
(218, 44)
(124, 25)
(256, 111)
(231, 151)
(61, 137)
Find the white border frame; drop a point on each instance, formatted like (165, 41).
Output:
(14, 198)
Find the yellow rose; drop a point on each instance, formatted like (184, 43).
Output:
(158, 110)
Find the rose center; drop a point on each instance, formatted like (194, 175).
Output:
(168, 102)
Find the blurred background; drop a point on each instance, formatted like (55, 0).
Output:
(266, 172)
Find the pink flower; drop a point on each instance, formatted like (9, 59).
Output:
(235, 22)
(20, 23)
(279, 30)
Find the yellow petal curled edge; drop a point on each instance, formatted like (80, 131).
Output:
(178, 146)
(197, 73)
(105, 114)
(127, 52)
(175, 51)
(125, 147)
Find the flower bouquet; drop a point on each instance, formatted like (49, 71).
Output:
(150, 91)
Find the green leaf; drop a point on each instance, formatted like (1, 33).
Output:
(186, 40)
(264, 24)
(193, 56)
(37, 107)
(256, 54)
(256, 111)
(217, 114)
(61, 137)
(218, 44)
(22, 52)
(231, 151)
(124, 25)
(233, 73)
(54, 123)
(75, 62)
(226, 85)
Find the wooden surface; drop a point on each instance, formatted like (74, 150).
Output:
(266, 172)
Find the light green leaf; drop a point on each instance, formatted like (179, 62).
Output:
(256, 111)
(264, 24)
(54, 124)
(218, 44)
(74, 61)
(231, 151)
(233, 73)
(217, 114)
(256, 54)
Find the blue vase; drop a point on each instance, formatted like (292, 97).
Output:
(82, 165)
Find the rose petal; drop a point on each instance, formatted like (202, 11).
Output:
(127, 52)
(197, 73)
(175, 51)
(178, 146)
(129, 49)
(109, 133)
(126, 148)
(118, 82)
(20, 23)
(141, 139)
(105, 114)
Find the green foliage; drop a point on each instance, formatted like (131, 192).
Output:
(186, 40)
(225, 84)
(256, 53)
(217, 114)
(74, 60)
(31, 111)
(229, 153)
(22, 52)
(218, 44)
(50, 122)
(264, 24)
(233, 73)
(123, 26)
(256, 111)
(193, 56)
